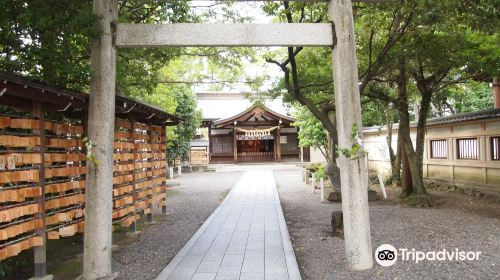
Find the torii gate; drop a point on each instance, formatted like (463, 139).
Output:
(340, 35)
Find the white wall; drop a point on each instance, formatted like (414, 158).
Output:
(317, 156)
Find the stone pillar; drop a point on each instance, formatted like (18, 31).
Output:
(170, 172)
(354, 175)
(313, 182)
(99, 185)
(322, 190)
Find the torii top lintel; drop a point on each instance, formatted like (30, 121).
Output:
(227, 34)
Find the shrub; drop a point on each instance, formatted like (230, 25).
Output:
(317, 168)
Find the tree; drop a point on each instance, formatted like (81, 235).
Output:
(467, 97)
(441, 52)
(307, 79)
(311, 131)
(185, 131)
(49, 40)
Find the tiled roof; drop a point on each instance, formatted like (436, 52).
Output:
(457, 118)
(472, 116)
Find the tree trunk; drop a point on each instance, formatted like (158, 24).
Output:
(404, 129)
(332, 170)
(406, 180)
(354, 173)
(416, 172)
(425, 104)
(392, 156)
(396, 169)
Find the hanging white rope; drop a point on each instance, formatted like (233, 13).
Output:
(257, 133)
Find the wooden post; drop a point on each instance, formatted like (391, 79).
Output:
(235, 146)
(354, 174)
(133, 225)
(149, 216)
(99, 178)
(278, 144)
(496, 92)
(209, 142)
(40, 252)
(164, 146)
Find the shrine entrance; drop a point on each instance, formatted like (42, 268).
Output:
(255, 145)
(259, 150)
(337, 33)
(257, 134)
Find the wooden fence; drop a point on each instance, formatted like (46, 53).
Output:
(198, 156)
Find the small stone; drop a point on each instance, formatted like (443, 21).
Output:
(337, 221)
(372, 195)
(334, 197)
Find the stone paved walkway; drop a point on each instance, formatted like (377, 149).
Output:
(245, 238)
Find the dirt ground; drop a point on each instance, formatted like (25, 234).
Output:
(458, 221)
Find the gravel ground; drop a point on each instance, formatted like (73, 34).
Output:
(321, 256)
(188, 206)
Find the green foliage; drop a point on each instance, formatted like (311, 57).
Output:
(318, 168)
(184, 132)
(320, 173)
(47, 40)
(445, 43)
(311, 131)
(355, 151)
(313, 166)
(89, 146)
(470, 97)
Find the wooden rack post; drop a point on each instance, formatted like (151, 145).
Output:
(133, 225)
(163, 149)
(40, 252)
(149, 216)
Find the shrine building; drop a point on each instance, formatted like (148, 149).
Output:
(241, 131)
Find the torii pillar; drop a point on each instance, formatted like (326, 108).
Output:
(99, 184)
(353, 172)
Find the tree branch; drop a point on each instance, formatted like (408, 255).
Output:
(316, 85)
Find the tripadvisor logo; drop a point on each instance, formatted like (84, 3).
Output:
(387, 255)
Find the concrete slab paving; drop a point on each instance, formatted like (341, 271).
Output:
(245, 238)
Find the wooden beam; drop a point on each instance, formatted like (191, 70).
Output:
(36, 95)
(223, 35)
(258, 123)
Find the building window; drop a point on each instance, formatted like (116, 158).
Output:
(467, 148)
(495, 148)
(439, 148)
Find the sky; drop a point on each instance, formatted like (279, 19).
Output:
(251, 9)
